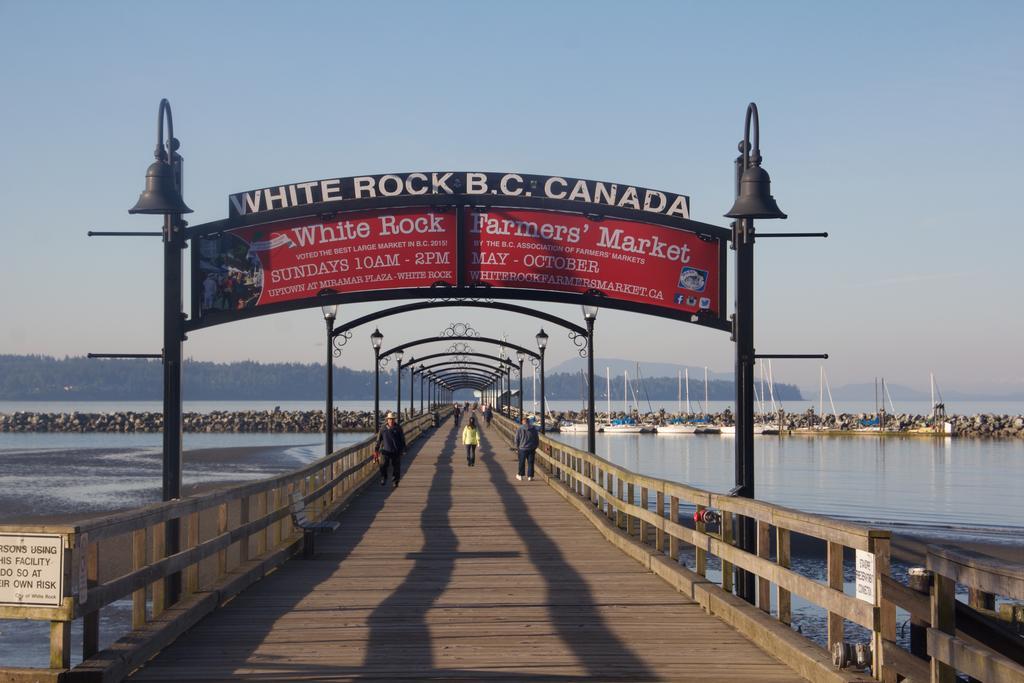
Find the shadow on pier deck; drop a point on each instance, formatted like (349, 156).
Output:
(463, 572)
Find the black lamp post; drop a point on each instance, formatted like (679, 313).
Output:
(753, 200)
(590, 315)
(330, 313)
(376, 339)
(520, 356)
(542, 343)
(421, 370)
(412, 384)
(398, 383)
(162, 196)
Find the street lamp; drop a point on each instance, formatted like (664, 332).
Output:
(398, 383)
(330, 313)
(412, 384)
(421, 370)
(542, 343)
(753, 200)
(162, 196)
(590, 315)
(376, 339)
(520, 356)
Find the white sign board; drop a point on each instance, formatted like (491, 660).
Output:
(865, 571)
(31, 569)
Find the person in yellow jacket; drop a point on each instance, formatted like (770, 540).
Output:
(471, 438)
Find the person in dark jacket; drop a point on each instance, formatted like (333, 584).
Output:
(390, 446)
(526, 442)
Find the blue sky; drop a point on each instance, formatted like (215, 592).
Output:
(893, 126)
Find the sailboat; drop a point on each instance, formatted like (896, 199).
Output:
(570, 425)
(939, 424)
(678, 426)
(705, 426)
(625, 425)
(823, 387)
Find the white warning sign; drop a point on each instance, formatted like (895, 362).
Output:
(865, 571)
(31, 569)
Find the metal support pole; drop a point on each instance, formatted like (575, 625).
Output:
(520, 390)
(543, 408)
(412, 385)
(422, 378)
(746, 531)
(376, 391)
(173, 335)
(591, 423)
(329, 409)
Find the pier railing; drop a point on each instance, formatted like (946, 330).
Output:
(230, 538)
(641, 515)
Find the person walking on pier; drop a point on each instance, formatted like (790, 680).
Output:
(471, 439)
(458, 414)
(488, 414)
(390, 446)
(526, 442)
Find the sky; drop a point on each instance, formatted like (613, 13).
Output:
(892, 126)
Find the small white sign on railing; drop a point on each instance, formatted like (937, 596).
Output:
(31, 569)
(865, 572)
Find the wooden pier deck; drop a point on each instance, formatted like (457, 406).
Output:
(463, 573)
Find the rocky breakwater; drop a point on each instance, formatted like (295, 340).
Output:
(291, 421)
(983, 426)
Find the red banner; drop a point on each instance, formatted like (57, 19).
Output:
(297, 259)
(624, 260)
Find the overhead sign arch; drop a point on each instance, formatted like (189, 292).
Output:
(459, 236)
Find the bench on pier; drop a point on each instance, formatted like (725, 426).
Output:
(309, 528)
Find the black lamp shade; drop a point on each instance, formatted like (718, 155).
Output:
(160, 196)
(755, 200)
(542, 340)
(376, 338)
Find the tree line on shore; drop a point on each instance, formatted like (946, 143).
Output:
(44, 378)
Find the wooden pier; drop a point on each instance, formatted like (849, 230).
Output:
(466, 573)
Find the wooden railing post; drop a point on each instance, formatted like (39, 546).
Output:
(138, 562)
(644, 526)
(222, 528)
(631, 519)
(944, 620)
(192, 571)
(835, 582)
(764, 586)
(673, 514)
(727, 577)
(620, 495)
(701, 555)
(158, 592)
(659, 534)
(784, 599)
(91, 621)
(243, 519)
(60, 644)
(886, 622)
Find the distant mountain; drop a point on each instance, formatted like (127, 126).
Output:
(619, 366)
(899, 392)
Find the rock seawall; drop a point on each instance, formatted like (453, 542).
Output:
(295, 421)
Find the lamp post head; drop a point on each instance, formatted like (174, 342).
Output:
(420, 368)
(755, 200)
(520, 356)
(398, 354)
(330, 312)
(542, 339)
(161, 195)
(376, 339)
(589, 312)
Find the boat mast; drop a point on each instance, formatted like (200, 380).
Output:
(608, 391)
(625, 392)
(688, 391)
(931, 376)
(705, 391)
(679, 392)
